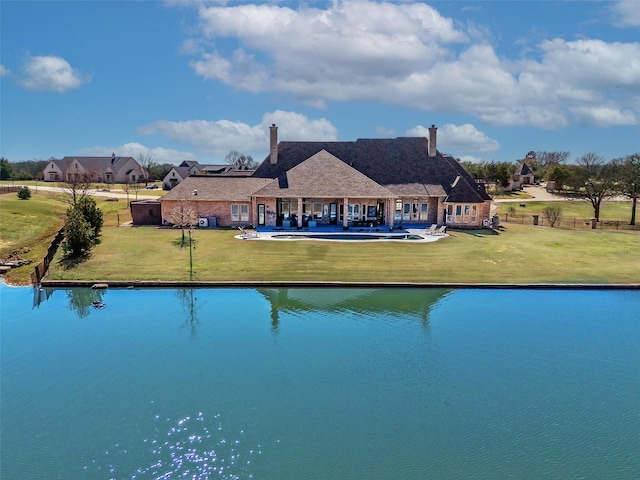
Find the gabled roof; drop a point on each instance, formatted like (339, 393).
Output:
(523, 169)
(189, 163)
(96, 164)
(222, 188)
(182, 171)
(402, 165)
(323, 175)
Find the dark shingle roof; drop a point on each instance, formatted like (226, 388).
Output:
(402, 165)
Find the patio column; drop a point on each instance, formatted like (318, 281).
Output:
(345, 216)
(440, 218)
(299, 212)
(391, 212)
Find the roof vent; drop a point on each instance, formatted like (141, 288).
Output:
(195, 192)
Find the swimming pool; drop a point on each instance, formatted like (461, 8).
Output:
(346, 236)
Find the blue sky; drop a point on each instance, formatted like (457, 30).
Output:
(194, 79)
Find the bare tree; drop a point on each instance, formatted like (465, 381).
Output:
(552, 214)
(145, 160)
(183, 216)
(628, 180)
(240, 160)
(594, 180)
(549, 158)
(77, 185)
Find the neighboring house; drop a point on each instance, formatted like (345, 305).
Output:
(522, 176)
(175, 176)
(97, 169)
(192, 167)
(369, 182)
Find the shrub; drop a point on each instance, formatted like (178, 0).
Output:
(24, 193)
(552, 214)
(78, 234)
(91, 213)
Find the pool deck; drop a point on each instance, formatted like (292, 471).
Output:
(268, 233)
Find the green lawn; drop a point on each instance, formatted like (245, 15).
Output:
(514, 254)
(517, 254)
(580, 209)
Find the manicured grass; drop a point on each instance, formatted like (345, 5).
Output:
(580, 209)
(517, 254)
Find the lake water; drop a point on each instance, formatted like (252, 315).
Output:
(319, 384)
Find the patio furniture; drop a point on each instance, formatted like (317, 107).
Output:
(431, 230)
(441, 230)
(246, 233)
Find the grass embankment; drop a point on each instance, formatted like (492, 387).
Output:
(571, 209)
(28, 226)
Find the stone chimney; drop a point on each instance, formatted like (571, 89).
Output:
(273, 151)
(433, 131)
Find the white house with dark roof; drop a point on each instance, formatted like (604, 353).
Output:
(111, 169)
(369, 182)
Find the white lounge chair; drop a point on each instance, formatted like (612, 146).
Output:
(248, 233)
(431, 230)
(441, 231)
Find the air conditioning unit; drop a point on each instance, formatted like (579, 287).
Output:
(203, 222)
(165, 221)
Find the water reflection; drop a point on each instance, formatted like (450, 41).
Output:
(406, 301)
(190, 303)
(83, 300)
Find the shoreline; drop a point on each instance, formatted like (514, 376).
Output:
(133, 284)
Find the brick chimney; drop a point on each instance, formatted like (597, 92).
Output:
(433, 131)
(273, 151)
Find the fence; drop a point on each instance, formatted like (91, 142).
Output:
(577, 223)
(41, 269)
(9, 188)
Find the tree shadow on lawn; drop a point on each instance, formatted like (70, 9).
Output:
(481, 233)
(71, 262)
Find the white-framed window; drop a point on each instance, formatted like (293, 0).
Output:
(240, 212)
(474, 213)
(424, 211)
(398, 213)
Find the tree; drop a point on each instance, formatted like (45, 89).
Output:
(78, 234)
(76, 186)
(91, 213)
(183, 216)
(558, 173)
(628, 180)
(594, 180)
(6, 170)
(552, 214)
(240, 160)
(145, 160)
(24, 193)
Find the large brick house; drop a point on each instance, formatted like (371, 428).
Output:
(369, 182)
(96, 169)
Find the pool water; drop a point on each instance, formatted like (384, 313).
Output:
(345, 236)
(319, 383)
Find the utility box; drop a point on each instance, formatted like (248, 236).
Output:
(213, 222)
(535, 219)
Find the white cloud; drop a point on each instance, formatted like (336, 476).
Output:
(604, 116)
(409, 54)
(217, 138)
(133, 149)
(626, 13)
(3, 71)
(459, 138)
(50, 73)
